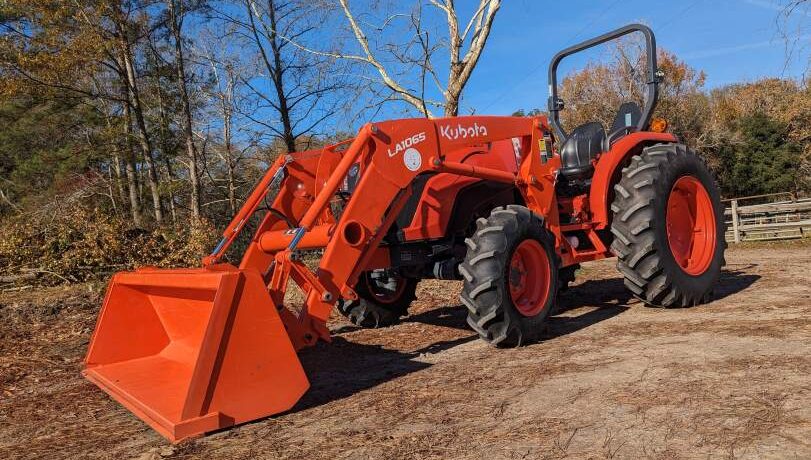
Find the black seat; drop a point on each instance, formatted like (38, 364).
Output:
(584, 144)
(589, 140)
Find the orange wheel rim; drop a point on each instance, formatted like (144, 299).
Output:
(383, 295)
(529, 277)
(691, 225)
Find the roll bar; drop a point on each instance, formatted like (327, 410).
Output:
(653, 76)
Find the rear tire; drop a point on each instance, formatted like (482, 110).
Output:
(510, 276)
(668, 227)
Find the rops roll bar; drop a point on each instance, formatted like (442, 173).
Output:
(653, 76)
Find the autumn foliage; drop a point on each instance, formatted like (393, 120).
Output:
(756, 135)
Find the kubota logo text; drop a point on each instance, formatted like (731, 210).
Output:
(461, 131)
(406, 143)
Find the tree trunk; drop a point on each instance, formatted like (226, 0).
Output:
(276, 69)
(452, 105)
(229, 163)
(227, 120)
(117, 170)
(166, 148)
(129, 168)
(176, 23)
(278, 81)
(170, 177)
(110, 190)
(140, 123)
(115, 157)
(119, 178)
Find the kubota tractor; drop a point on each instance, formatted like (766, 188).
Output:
(509, 205)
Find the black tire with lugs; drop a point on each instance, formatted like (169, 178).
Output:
(486, 291)
(639, 222)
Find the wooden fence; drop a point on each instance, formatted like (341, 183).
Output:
(779, 216)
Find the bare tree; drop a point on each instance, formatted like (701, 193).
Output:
(177, 13)
(300, 90)
(130, 169)
(792, 25)
(124, 34)
(108, 111)
(223, 94)
(165, 138)
(461, 63)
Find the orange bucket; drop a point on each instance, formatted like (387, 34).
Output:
(194, 350)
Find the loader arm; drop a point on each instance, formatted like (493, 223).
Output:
(393, 154)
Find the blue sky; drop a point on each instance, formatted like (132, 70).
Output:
(731, 40)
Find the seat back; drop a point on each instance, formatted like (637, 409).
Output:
(625, 121)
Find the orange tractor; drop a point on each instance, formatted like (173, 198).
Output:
(487, 200)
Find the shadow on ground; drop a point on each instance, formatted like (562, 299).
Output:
(608, 293)
(735, 280)
(343, 368)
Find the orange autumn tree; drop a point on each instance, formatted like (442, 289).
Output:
(596, 92)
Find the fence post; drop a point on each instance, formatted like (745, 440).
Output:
(735, 225)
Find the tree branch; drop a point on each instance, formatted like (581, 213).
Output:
(370, 59)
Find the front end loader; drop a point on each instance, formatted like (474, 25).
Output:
(508, 205)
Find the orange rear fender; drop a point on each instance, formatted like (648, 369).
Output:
(609, 166)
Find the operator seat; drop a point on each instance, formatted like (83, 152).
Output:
(589, 140)
(585, 143)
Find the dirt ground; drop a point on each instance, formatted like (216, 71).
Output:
(613, 379)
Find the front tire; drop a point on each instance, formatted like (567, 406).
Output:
(668, 227)
(510, 276)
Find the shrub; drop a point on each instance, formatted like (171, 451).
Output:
(83, 244)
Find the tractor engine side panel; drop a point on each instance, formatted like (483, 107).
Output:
(438, 201)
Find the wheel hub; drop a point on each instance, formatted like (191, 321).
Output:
(690, 225)
(386, 289)
(529, 277)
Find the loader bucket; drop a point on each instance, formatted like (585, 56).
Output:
(192, 351)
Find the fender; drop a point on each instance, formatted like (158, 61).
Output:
(430, 218)
(607, 167)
